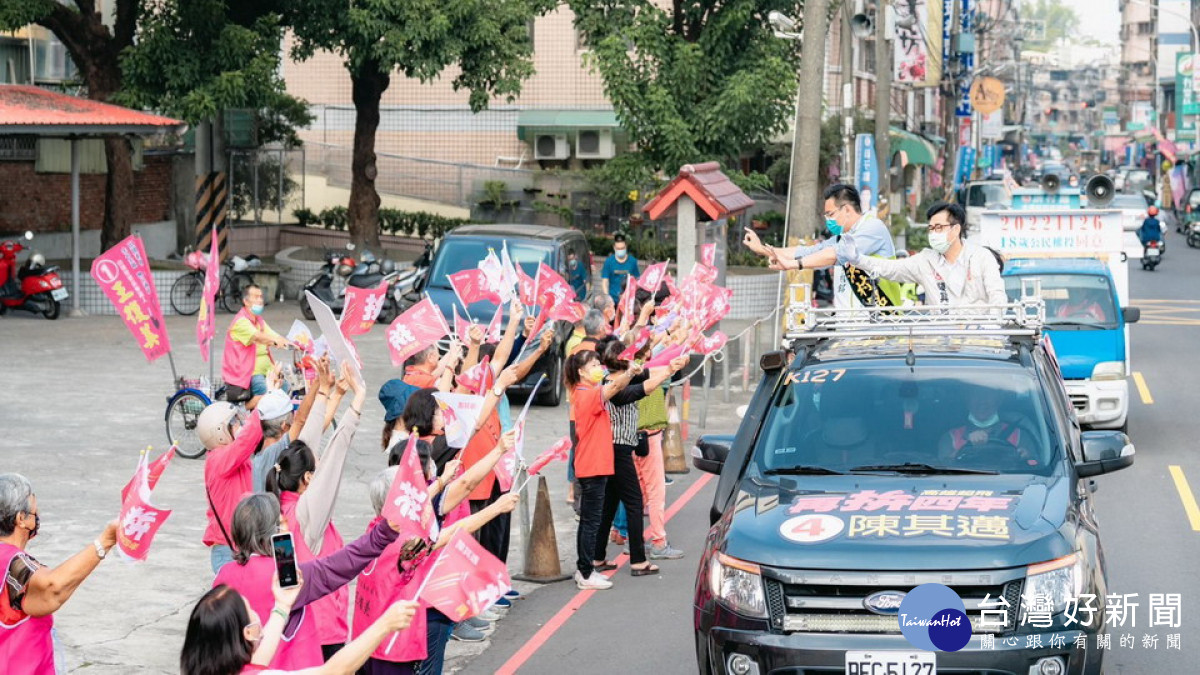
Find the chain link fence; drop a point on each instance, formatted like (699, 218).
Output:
(267, 184)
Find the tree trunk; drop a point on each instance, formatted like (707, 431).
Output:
(367, 86)
(118, 192)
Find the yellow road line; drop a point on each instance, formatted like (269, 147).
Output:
(1142, 388)
(1186, 496)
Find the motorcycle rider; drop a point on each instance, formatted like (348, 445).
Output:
(1151, 229)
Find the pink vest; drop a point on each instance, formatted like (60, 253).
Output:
(329, 611)
(378, 587)
(27, 647)
(297, 651)
(237, 367)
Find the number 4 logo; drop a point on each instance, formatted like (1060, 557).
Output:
(812, 528)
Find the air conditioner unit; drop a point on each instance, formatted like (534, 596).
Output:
(595, 144)
(551, 146)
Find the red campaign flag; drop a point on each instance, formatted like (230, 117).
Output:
(473, 378)
(416, 329)
(704, 273)
(711, 343)
(527, 287)
(408, 504)
(495, 329)
(123, 273)
(559, 451)
(628, 301)
(572, 312)
(473, 286)
(154, 471)
(362, 308)
(666, 356)
(139, 520)
(653, 277)
(708, 254)
(206, 321)
(718, 305)
(462, 329)
(506, 468)
(672, 289)
(508, 273)
(554, 288)
(640, 341)
(465, 579)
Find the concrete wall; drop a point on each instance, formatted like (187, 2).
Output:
(159, 238)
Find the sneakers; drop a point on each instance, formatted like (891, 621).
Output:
(669, 481)
(465, 633)
(503, 603)
(663, 552)
(595, 582)
(477, 623)
(513, 594)
(490, 614)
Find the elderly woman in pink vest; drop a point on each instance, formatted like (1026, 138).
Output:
(247, 359)
(32, 592)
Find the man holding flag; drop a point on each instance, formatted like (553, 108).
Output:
(247, 359)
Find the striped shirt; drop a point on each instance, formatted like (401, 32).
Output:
(623, 409)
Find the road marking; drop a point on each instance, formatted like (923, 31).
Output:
(1143, 390)
(556, 622)
(1186, 496)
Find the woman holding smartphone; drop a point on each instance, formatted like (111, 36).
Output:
(226, 636)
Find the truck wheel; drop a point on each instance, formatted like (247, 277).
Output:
(551, 396)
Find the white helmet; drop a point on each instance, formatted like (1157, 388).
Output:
(37, 260)
(214, 425)
(239, 264)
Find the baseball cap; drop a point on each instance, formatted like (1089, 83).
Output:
(274, 404)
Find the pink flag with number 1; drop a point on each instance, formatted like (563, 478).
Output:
(123, 273)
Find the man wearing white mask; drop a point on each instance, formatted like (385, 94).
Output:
(952, 271)
(843, 218)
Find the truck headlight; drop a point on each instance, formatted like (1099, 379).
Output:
(737, 585)
(1109, 370)
(1052, 584)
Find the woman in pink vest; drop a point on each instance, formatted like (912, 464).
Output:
(226, 636)
(398, 573)
(255, 521)
(32, 592)
(307, 491)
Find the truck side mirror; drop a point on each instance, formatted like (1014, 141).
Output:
(710, 452)
(1131, 314)
(1104, 452)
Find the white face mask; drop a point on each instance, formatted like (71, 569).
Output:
(983, 424)
(939, 241)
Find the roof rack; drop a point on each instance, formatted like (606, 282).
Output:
(1020, 320)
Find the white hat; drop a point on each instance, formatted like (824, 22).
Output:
(274, 404)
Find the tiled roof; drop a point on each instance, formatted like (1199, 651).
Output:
(27, 109)
(711, 189)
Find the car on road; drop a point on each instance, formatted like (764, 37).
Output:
(1132, 207)
(983, 195)
(528, 246)
(1133, 180)
(855, 477)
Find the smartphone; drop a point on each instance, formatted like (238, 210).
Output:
(285, 559)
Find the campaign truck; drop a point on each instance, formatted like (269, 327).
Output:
(1079, 258)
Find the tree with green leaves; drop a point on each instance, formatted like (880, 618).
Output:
(1060, 20)
(695, 81)
(488, 41)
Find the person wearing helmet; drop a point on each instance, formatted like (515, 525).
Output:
(228, 474)
(247, 359)
(1151, 229)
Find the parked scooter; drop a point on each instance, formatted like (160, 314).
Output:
(1193, 234)
(1151, 255)
(368, 272)
(33, 287)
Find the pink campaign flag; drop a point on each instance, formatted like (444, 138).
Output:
(362, 308)
(153, 473)
(708, 254)
(704, 273)
(628, 301)
(206, 321)
(653, 277)
(465, 579)
(527, 288)
(416, 329)
(666, 356)
(510, 463)
(717, 304)
(711, 343)
(559, 451)
(461, 412)
(495, 330)
(123, 273)
(640, 341)
(407, 503)
(139, 520)
(473, 286)
(508, 274)
(462, 329)
(571, 312)
(475, 377)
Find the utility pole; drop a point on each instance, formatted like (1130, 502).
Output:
(849, 42)
(883, 100)
(806, 146)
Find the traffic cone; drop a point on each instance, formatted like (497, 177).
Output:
(674, 460)
(542, 565)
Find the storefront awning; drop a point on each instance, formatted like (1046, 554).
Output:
(543, 121)
(916, 148)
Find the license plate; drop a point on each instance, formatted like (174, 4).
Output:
(891, 663)
(59, 294)
(1153, 252)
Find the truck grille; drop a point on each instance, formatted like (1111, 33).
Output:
(1080, 403)
(840, 608)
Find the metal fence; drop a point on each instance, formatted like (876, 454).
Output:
(267, 184)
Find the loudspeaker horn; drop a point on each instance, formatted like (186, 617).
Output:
(1050, 183)
(862, 26)
(1099, 190)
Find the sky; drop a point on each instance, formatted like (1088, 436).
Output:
(1100, 19)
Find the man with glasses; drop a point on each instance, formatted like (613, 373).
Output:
(952, 271)
(843, 216)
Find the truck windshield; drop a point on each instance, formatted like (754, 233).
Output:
(990, 195)
(1073, 300)
(457, 254)
(943, 416)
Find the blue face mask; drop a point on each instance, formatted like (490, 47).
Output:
(257, 309)
(834, 227)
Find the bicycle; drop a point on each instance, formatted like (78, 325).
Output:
(187, 291)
